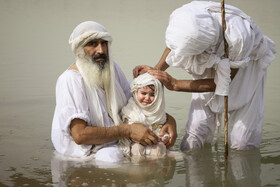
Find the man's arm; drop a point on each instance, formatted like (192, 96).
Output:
(203, 85)
(89, 135)
(162, 65)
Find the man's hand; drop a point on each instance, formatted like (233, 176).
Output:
(138, 70)
(167, 80)
(143, 134)
(170, 128)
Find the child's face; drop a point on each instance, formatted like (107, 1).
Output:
(146, 95)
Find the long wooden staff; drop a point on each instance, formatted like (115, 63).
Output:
(225, 97)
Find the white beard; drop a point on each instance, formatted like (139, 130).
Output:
(92, 74)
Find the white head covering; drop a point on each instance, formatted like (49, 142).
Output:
(87, 31)
(190, 30)
(149, 114)
(115, 97)
(194, 35)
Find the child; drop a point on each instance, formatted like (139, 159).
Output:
(146, 106)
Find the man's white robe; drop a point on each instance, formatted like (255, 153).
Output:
(72, 101)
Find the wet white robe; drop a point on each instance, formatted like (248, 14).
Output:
(197, 47)
(72, 102)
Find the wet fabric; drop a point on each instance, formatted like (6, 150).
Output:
(197, 47)
(72, 102)
(75, 98)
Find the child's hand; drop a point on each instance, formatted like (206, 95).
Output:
(164, 139)
(170, 128)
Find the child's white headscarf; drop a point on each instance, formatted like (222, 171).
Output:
(149, 114)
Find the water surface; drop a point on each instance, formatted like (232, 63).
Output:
(34, 51)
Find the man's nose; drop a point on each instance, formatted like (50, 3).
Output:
(100, 49)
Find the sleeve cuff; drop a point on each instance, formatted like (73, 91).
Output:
(74, 116)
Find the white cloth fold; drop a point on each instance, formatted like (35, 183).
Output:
(150, 114)
(87, 31)
(196, 52)
(191, 29)
(201, 55)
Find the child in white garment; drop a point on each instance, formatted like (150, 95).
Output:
(146, 106)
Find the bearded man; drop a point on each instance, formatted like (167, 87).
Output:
(89, 97)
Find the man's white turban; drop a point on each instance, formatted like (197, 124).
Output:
(87, 31)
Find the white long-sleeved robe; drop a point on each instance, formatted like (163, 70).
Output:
(72, 101)
(194, 35)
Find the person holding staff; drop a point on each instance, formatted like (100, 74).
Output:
(194, 42)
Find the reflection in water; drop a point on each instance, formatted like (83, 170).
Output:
(144, 172)
(200, 167)
(244, 168)
(206, 168)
